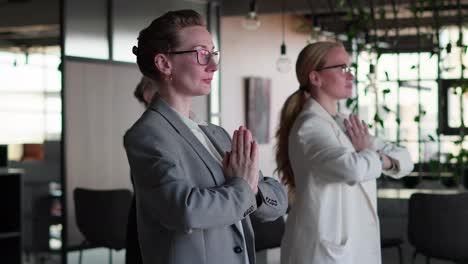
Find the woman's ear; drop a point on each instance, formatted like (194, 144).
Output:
(314, 79)
(162, 63)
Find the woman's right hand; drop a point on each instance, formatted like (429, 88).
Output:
(242, 161)
(358, 132)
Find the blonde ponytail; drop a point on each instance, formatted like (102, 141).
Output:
(311, 57)
(291, 109)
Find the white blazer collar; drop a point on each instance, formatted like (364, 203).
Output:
(315, 107)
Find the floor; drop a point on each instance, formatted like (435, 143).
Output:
(101, 256)
(97, 256)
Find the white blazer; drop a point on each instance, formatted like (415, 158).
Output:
(334, 215)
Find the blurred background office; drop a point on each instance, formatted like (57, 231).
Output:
(67, 76)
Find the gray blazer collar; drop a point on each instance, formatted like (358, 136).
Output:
(219, 141)
(160, 106)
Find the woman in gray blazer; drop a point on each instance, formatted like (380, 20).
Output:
(330, 162)
(195, 189)
(144, 92)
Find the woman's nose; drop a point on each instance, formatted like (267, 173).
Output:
(212, 66)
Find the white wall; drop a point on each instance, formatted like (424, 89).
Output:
(246, 53)
(99, 108)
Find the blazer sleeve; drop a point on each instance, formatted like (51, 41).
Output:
(328, 158)
(168, 197)
(399, 155)
(272, 198)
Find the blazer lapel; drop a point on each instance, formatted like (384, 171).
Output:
(366, 187)
(220, 143)
(369, 188)
(249, 239)
(213, 166)
(218, 139)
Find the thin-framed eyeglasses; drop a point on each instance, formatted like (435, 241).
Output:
(203, 56)
(344, 68)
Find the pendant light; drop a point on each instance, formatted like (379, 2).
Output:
(283, 64)
(251, 21)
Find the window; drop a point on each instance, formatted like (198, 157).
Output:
(30, 101)
(403, 96)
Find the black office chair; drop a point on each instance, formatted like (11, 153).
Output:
(437, 226)
(393, 242)
(101, 216)
(268, 235)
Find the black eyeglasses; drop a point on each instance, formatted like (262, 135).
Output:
(344, 68)
(203, 56)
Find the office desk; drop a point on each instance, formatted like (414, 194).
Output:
(406, 193)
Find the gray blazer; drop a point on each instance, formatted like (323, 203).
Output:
(186, 209)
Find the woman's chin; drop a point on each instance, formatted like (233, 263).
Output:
(203, 91)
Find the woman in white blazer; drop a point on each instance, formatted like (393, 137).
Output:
(330, 164)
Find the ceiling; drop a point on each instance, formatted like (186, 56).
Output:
(26, 23)
(402, 25)
(36, 22)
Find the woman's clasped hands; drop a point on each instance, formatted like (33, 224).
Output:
(358, 132)
(242, 161)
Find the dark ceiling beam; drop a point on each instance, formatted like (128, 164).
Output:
(26, 13)
(328, 23)
(405, 43)
(241, 7)
(31, 42)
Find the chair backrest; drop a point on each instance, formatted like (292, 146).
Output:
(267, 234)
(437, 225)
(101, 216)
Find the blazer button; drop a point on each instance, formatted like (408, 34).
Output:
(238, 250)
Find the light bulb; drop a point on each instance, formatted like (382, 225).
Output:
(283, 64)
(251, 21)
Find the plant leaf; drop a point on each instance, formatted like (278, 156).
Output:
(448, 48)
(378, 120)
(350, 102)
(386, 76)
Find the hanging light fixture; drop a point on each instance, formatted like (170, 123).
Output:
(283, 64)
(316, 32)
(251, 21)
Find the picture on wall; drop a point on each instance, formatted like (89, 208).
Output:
(258, 94)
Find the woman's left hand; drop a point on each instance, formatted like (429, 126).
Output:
(358, 133)
(242, 161)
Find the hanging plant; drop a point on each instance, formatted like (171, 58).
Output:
(352, 104)
(421, 114)
(378, 120)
